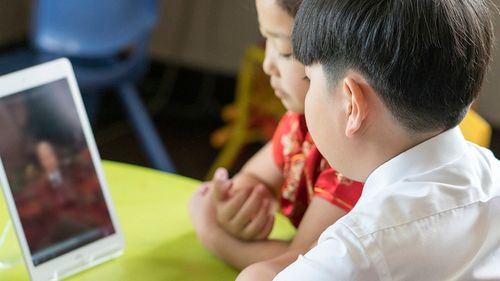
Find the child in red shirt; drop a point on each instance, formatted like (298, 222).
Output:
(307, 174)
(233, 217)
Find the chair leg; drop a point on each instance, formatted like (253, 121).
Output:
(144, 128)
(92, 100)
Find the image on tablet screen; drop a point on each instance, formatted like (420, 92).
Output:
(50, 171)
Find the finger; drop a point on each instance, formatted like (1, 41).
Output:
(258, 223)
(228, 210)
(204, 187)
(195, 200)
(220, 189)
(249, 209)
(221, 173)
(221, 184)
(267, 229)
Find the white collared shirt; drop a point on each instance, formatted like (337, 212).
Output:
(431, 213)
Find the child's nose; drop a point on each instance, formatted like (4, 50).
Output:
(269, 64)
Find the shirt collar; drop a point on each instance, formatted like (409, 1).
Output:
(430, 154)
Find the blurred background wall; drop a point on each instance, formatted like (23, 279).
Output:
(14, 20)
(489, 103)
(198, 33)
(207, 34)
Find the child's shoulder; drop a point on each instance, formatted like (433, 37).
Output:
(292, 123)
(290, 117)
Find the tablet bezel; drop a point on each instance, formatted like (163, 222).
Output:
(91, 254)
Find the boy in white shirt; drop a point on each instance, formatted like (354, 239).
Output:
(390, 81)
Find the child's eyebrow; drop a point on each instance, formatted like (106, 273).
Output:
(274, 34)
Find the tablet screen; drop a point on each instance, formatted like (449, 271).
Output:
(50, 171)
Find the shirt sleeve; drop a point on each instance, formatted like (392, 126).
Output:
(339, 255)
(338, 190)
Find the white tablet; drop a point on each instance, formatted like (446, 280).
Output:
(51, 174)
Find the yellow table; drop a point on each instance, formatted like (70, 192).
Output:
(160, 243)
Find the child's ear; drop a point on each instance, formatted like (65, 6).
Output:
(356, 103)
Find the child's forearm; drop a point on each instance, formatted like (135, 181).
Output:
(259, 271)
(263, 168)
(268, 269)
(241, 254)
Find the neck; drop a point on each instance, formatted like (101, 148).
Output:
(387, 142)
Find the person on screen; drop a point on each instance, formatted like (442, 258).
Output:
(49, 163)
(63, 200)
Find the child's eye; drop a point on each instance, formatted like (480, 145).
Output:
(306, 79)
(286, 56)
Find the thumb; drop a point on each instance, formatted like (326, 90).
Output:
(221, 184)
(221, 173)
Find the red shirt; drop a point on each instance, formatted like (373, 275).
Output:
(306, 172)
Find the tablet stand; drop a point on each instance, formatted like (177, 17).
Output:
(9, 257)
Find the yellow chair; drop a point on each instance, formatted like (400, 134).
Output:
(476, 129)
(252, 117)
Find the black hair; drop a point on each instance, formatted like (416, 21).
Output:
(425, 58)
(290, 6)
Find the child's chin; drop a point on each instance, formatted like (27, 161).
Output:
(292, 108)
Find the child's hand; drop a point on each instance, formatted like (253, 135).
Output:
(245, 212)
(202, 212)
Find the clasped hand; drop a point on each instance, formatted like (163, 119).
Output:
(241, 206)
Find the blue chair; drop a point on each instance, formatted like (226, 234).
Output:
(107, 44)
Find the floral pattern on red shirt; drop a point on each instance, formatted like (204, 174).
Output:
(306, 173)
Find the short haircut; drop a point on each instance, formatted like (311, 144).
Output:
(425, 58)
(290, 6)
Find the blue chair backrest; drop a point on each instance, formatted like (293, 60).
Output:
(91, 28)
